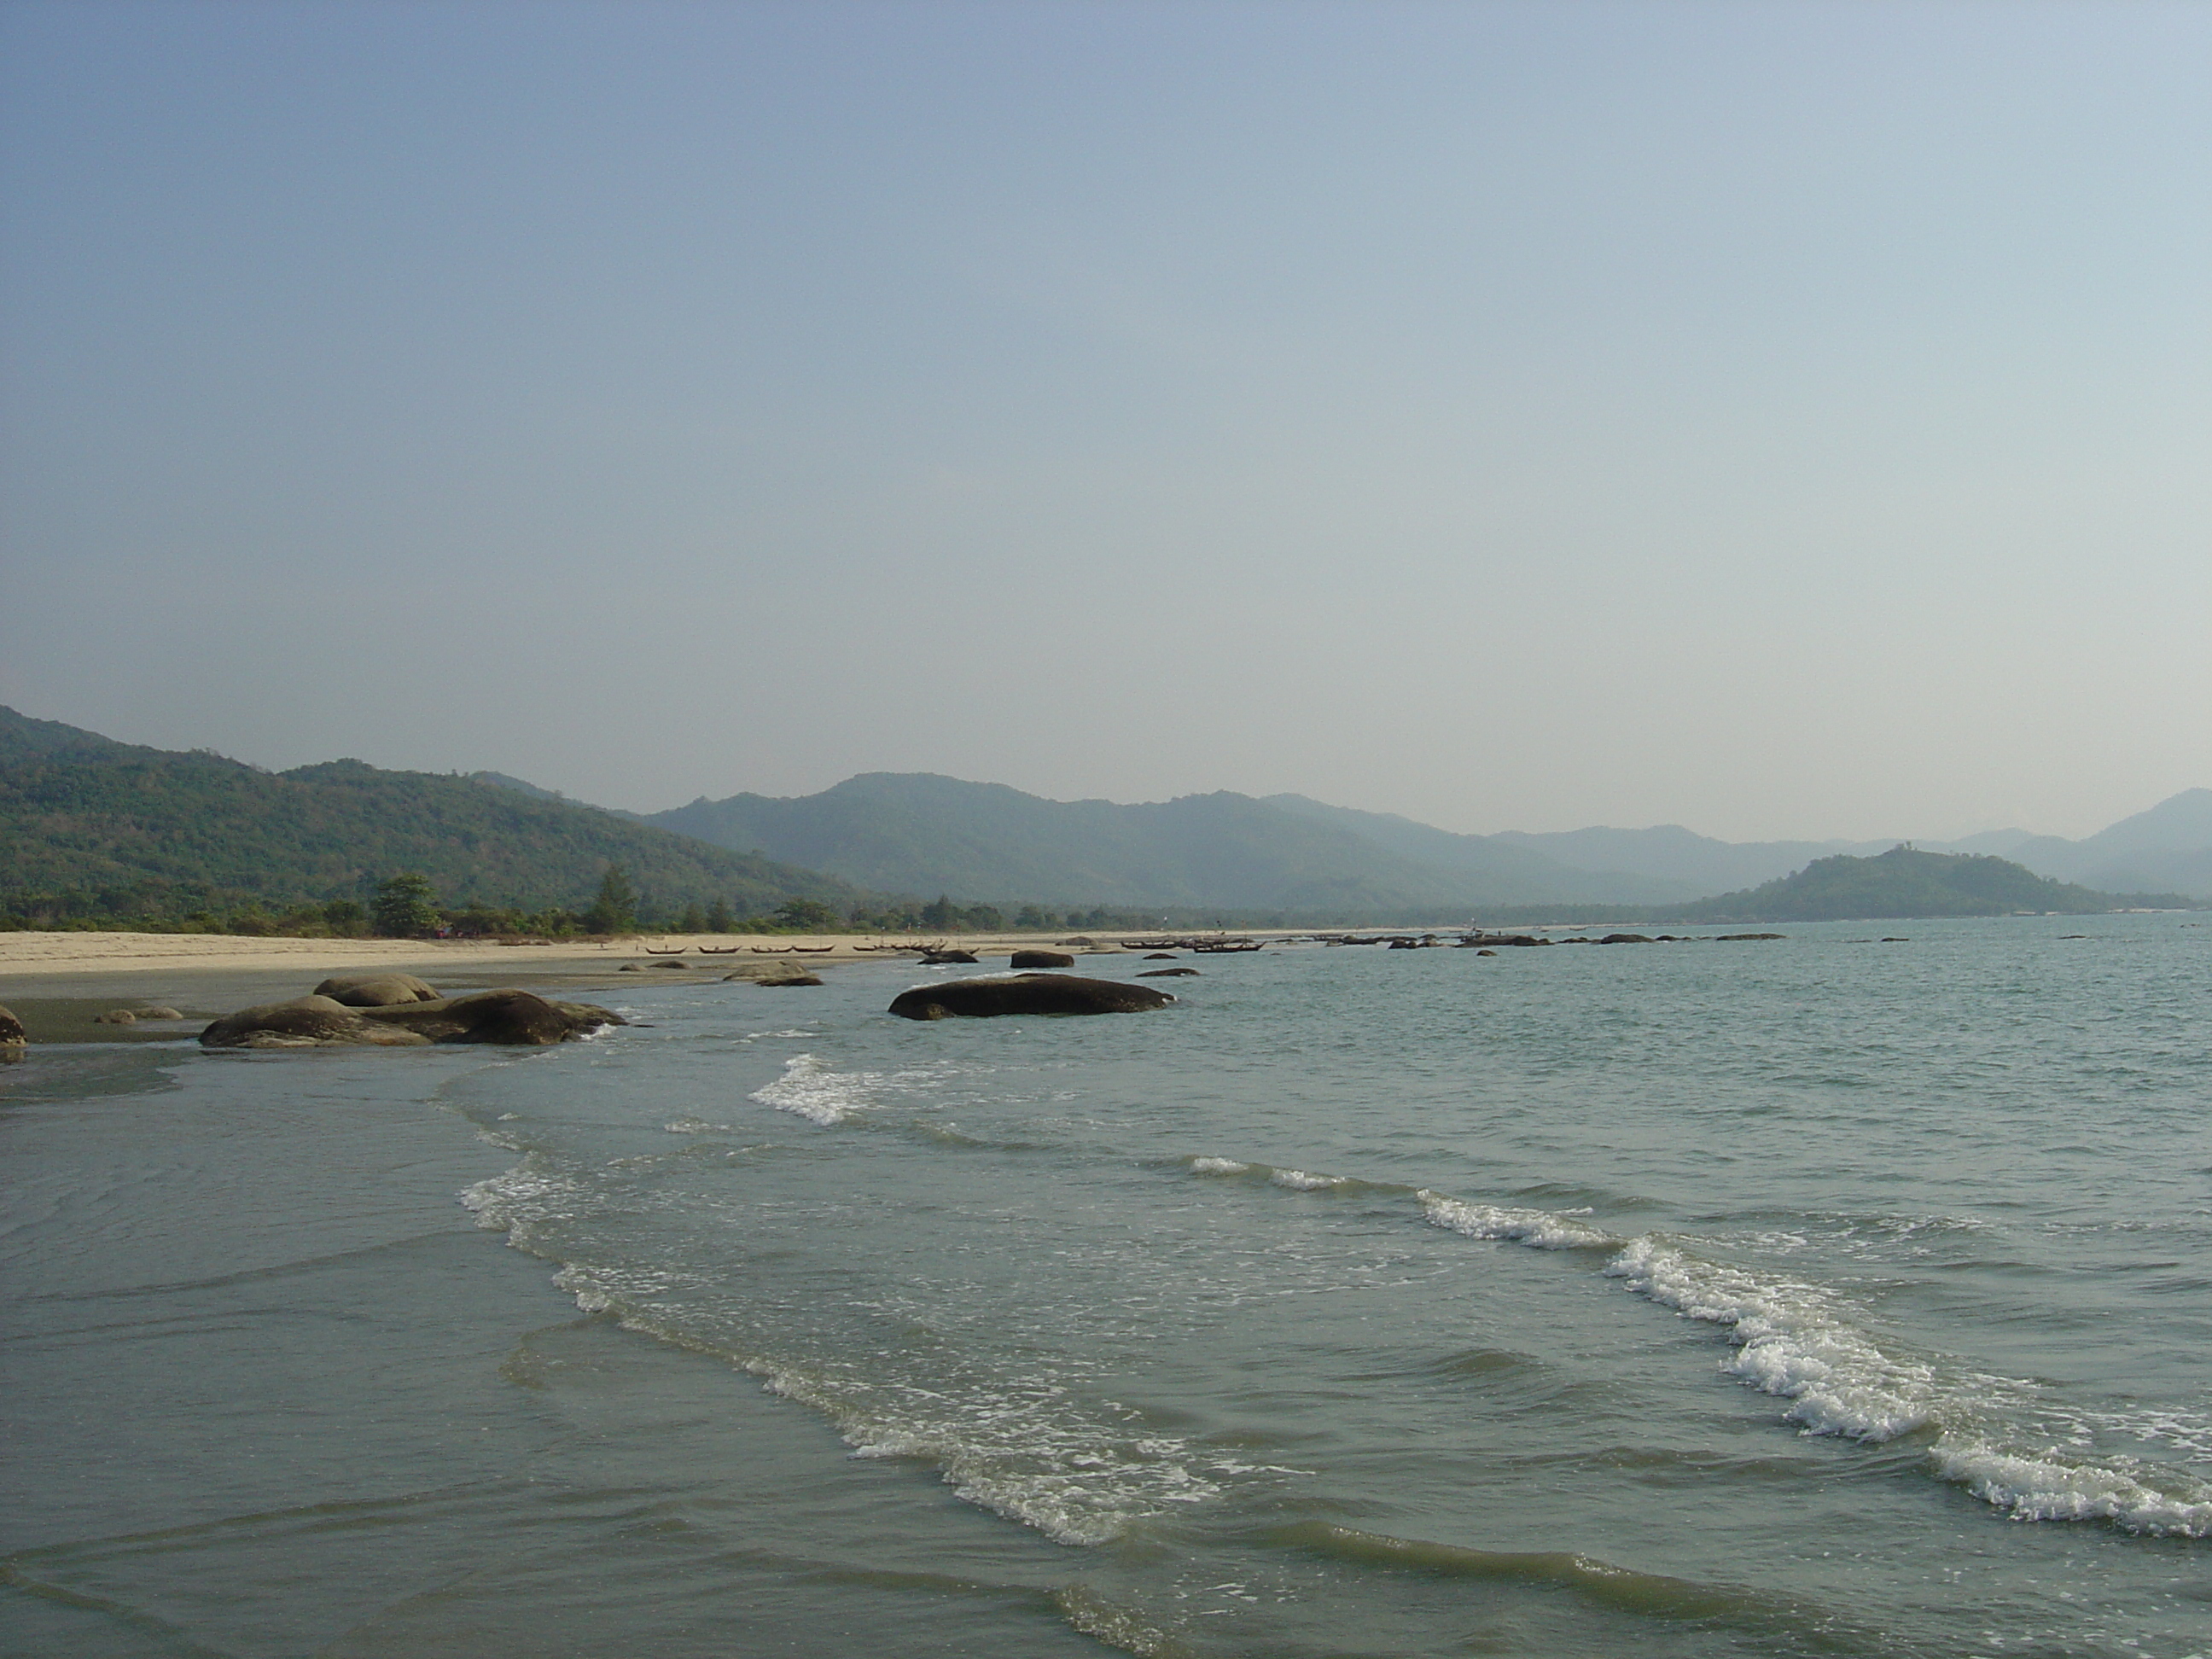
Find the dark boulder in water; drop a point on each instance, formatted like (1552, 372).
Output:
(1627, 939)
(1170, 973)
(1728, 939)
(934, 958)
(1161, 956)
(310, 1022)
(1043, 959)
(516, 1018)
(377, 990)
(11, 1030)
(1032, 994)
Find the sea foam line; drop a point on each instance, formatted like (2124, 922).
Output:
(1795, 1341)
(1026, 1448)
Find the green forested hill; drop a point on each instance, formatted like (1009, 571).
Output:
(94, 829)
(1904, 882)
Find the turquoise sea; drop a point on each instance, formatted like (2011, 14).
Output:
(1818, 1296)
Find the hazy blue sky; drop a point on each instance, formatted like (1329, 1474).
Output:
(1784, 419)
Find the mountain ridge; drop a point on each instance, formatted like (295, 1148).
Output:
(93, 826)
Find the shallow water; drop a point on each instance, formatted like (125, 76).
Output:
(1808, 1296)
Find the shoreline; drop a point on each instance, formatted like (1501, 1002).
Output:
(58, 983)
(71, 954)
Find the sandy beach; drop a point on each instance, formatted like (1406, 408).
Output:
(50, 954)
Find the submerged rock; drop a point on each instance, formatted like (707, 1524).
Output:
(934, 958)
(1168, 973)
(1031, 993)
(159, 1012)
(309, 1022)
(1043, 959)
(116, 1017)
(377, 990)
(11, 1030)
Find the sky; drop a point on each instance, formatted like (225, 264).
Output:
(1789, 420)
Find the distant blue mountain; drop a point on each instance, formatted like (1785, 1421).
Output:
(921, 833)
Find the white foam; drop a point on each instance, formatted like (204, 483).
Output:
(524, 1195)
(2045, 1488)
(1799, 1342)
(1792, 1342)
(817, 1094)
(1543, 1230)
(1299, 1181)
(1024, 1449)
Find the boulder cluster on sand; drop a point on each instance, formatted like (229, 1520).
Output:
(512, 1018)
(1028, 994)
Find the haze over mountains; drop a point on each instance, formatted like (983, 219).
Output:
(918, 832)
(132, 830)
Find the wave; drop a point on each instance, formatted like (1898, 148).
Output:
(1293, 1180)
(813, 1092)
(1622, 1589)
(1798, 1341)
(1542, 1229)
(1792, 1342)
(1026, 1448)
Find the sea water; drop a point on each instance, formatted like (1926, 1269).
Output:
(1820, 1295)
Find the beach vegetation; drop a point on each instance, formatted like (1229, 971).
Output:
(614, 909)
(405, 906)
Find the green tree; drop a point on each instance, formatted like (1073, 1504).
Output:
(405, 906)
(718, 919)
(805, 915)
(693, 920)
(940, 914)
(615, 909)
